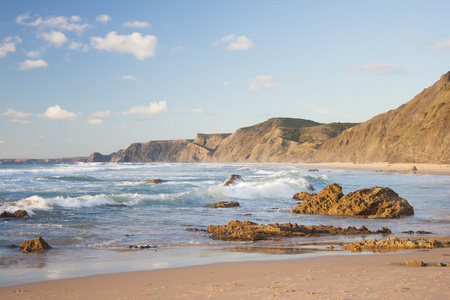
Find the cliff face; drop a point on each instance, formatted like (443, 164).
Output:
(416, 132)
(276, 140)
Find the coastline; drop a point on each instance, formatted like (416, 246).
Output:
(427, 169)
(346, 276)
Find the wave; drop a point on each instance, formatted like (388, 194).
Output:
(71, 178)
(278, 188)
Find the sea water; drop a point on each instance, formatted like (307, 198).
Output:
(91, 212)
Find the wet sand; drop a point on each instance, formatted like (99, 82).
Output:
(370, 276)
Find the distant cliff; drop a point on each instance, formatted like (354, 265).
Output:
(275, 140)
(416, 132)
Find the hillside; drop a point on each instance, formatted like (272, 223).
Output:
(416, 132)
(275, 140)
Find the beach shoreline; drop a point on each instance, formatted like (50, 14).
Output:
(324, 277)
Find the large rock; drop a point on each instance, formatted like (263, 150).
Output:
(223, 204)
(376, 202)
(37, 244)
(250, 231)
(16, 214)
(233, 180)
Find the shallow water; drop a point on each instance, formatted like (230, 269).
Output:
(90, 212)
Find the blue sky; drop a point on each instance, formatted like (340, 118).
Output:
(84, 76)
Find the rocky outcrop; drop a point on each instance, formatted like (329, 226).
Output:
(250, 231)
(233, 180)
(16, 214)
(275, 140)
(376, 202)
(395, 243)
(223, 204)
(37, 244)
(156, 181)
(416, 132)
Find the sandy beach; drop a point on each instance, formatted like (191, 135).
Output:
(431, 169)
(370, 276)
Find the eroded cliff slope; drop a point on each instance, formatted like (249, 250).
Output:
(416, 132)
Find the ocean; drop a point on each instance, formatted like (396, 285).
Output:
(90, 213)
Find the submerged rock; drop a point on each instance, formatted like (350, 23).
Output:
(16, 214)
(376, 202)
(155, 181)
(233, 180)
(37, 244)
(250, 231)
(223, 204)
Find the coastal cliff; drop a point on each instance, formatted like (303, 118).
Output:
(416, 132)
(275, 140)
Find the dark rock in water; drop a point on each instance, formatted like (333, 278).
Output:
(423, 232)
(16, 214)
(37, 244)
(233, 180)
(13, 246)
(223, 204)
(155, 181)
(116, 205)
(376, 202)
(141, 247)
(250, 231)
(408, 232)
(313, 170)
(310, 187)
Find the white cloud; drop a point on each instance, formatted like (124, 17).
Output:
(235, 43)
(197, 110)
(103, 19)
(16, 114)
(136, 44)
(445, 45)
(177, 50)
(95, 121)
(61, 22)
(32, 64)
(137, 24)
(9, 45)
(57, 113)
(78, 46)
(21, 121)
(266, 82)
(1, 142)
(56, 38)
(102, 114)
(34, 53)
(226, 83)
(371, 68)
(154, 108)
(128, 77)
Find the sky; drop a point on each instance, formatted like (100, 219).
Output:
(78, 77)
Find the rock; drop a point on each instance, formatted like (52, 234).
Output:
(233, 180)
(423, 232)
(395, 243)
(376, 202)
(16, 214)
(413, 168)
(155, 181)
(250, 231)
(313, 170)
(37, 244)
(223, 204)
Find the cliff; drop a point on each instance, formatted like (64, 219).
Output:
(275, 140)
(416, 132)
